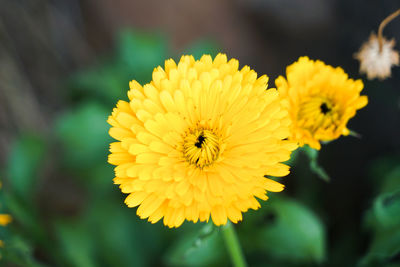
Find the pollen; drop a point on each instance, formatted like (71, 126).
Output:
(201, 148)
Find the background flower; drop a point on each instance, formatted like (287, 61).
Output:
(376, 62)
(321, 100)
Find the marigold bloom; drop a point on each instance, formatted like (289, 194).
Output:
(197, 141)
(5, 219)
(321, 99)
(376, 61)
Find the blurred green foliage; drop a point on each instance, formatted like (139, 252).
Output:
(201, 247)
(58, 188)
(312, 154)
(135, 57)
(383, 218)
(82, 133)
(24, 163)
(297, 235)
(286, 231)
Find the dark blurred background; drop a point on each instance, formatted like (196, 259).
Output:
(65, 63)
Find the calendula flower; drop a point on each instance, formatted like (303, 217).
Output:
(377, 55)
(376, 59)
(321, 99)
(5, 219)
(197, 141)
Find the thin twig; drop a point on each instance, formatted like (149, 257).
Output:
(383, 25)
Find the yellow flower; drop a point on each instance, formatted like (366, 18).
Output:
(197, 141)
(5, 219)
(321, 99)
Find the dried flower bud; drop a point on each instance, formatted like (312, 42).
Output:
(376, 60)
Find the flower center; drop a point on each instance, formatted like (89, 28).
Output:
(315, 113)
(201, 147)
(324, 108)
(200, 140)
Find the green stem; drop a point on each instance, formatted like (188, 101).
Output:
(233, 245)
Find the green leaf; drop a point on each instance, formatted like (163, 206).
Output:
(27, 154)
(75, 244)
(200, 248)
(100, 177)
(386, 210)
(296, 235)
(17, 252)
(83, 135)
(122, 237)
(26, 215)
(384, 219)
(107, 82)
(205, 232)
(136, 55)
(385, 245)
(314, 166)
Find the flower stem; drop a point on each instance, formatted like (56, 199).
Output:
(233, 245)
(383, 25)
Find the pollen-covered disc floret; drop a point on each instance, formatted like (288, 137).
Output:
(201, 147)
(197, 141)
(321, 100)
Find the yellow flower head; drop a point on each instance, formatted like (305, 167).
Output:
(5, 219)
(197, 141)
(321, 99)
